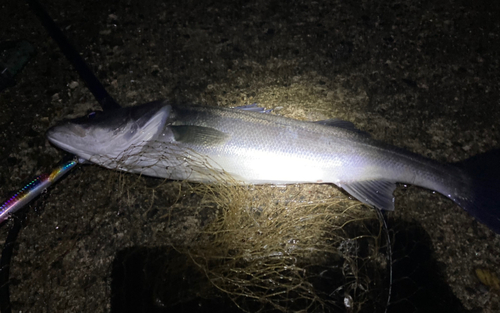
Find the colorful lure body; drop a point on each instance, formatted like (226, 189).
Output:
(33, 189)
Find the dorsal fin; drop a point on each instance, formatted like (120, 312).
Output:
(336, 122)
(254, 107)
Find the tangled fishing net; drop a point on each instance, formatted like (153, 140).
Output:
(287, 248)
(279, 248)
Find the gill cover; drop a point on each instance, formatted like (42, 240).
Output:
(109, 134)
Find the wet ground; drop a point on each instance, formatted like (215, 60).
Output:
(422, 75)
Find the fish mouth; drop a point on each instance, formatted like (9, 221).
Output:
(66, 140)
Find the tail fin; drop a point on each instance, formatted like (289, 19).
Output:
(483, 202)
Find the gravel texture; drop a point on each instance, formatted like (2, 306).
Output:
(422, 75)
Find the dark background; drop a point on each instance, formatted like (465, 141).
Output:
(422, 75)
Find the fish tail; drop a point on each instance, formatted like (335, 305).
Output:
(483, 197)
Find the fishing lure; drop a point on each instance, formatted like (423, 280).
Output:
(33, 189)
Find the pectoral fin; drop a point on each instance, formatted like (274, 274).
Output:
(198, 135)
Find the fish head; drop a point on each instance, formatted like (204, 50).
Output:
(110, 133)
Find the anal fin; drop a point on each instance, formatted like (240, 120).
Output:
(376, 193)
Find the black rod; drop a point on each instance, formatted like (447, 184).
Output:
(100, 94)
(105, 100)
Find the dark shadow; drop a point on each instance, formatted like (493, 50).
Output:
(157, 280)
(418, 278)
(160, 280)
